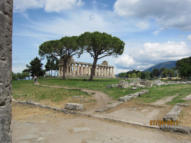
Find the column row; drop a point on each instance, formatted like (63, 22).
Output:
(85, 70)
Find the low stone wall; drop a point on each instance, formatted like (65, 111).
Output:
(131, 96)
(174, 113)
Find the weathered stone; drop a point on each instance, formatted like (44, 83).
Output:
(134, 88)
(179, 129)
(74, 106)
(123, 84)
(5, 69)
(158, 83)
(134, 95)
(173, 114)
(146, 83)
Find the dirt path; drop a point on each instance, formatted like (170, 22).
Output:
(33, 125)
(102, 99)
(164, 100)
(187, 98)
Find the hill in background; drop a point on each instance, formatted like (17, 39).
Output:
(167, 65)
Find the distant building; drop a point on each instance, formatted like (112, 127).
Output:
(82, 69)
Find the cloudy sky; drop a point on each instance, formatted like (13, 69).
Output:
(154, 31)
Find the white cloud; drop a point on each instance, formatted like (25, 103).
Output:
(144, 55)
(22, 5)
(75, 24)
(60, 5)
(47, 5)
(143, 25)
(167, 13)
(124, 61)
(18, 68)
(164, 51)
(189, 37)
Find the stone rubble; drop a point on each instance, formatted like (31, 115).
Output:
(131, 96)
(134, 84)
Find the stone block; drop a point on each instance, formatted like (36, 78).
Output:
(74, 106)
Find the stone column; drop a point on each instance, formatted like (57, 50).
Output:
(98, 71)
(113, 72)
(103, 71)
(110, 75)
(86, 70)
(78, 70)
(73, 69)
(81, 69)
(5, 69)
(106, 69)
(107, 73)
(89, 70)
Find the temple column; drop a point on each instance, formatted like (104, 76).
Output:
(107, 72)
(86, 70)
(113, 72)
(98, 71)
(110, 75)
(73, 69)
(78, 70)
(101, 70)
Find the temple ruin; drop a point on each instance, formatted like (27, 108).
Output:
(82, 69)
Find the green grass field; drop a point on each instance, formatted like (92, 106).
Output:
(27, 90)
(97, 84)
(156, 93)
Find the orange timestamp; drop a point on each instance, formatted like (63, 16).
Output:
(163, 123)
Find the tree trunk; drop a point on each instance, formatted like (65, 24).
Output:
(64, 72)
(65, 68)
(93, 69)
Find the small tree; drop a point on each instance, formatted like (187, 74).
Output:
(63, 50)
(100, 45)
(155, 73)
(35, 67)
(51, 64)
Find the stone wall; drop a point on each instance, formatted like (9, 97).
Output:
(5, 69)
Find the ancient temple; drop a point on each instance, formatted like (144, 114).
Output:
(82, 69)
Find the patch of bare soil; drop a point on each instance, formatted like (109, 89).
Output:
(134, 111)
(187, 98)
(163, 101)
(21, 112)
(34, 125)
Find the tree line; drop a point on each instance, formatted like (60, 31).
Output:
(155, 73)
(182, 69)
